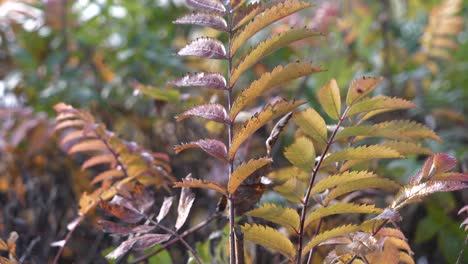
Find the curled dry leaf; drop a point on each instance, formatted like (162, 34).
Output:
(204, 47)
(187, 197)
(166, 205)
(138, 243)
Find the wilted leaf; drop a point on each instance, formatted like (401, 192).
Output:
(269, 238)
(207, 5)
(361, 87)
(138, 243)
(244, 171)
(197, 183)
(121, 212)
(203, 19)
(201, 79)
(270, 80)
(165, 207)
(313, 125)
(214, 112)
(213, 147)
(362, 153)
(187, 197)
(268, 46)
(287, 217)
(275, 132)
(270, 112)
(204, 47)
(269, 16)
(301, 153)
(324, 236)
(329, 98)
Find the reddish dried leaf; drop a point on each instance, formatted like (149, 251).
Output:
(213, 112)
(201, 79)
(202, 19)
(138, 243)
(451, 176)
(204, 47)
(213, 147)
(120, 212)
(114, 228)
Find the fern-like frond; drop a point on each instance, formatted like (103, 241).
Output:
(284, 216)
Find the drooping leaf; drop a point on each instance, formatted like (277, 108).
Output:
(213, 112)
(187, 197)
(139, 243)
(406, 148)
(269, 16)
(213, 147)
(324, 236)
(329, 98)
(301, 153)
(244, 171)
(166, 205)
(269, 238)
(284, 216)
(275, 132)
(313, 125)
(268, 46)
(412, 193)
(380, 104)
(88, 145)
(203, 19)
(204, 47)
(340, 208)
(369, 183)
(201, 79)
(340, 179)
(270, 112)
(197, 183)
(120, 212)
(207, 5)
(268, 81)
(362, 153)
(99, 160)
(361, 87)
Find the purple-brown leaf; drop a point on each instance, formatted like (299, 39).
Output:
(117, 229)
(201, 79)
(213, 147)
(437, 163)
(213, 112)
(204, 47)
(187, 197)
(138, 243)
(202, 19)
(207, 5)
(120, 212)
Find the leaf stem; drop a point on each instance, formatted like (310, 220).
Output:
(305, 202)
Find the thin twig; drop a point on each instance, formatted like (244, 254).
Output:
(317, 230)
(75, 225)
(182, 240)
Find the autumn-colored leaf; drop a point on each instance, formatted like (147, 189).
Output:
(244, 171)
(268, 46)
(329, 98)
(340, 208)
(313, 125)
(106, 175)
(213, 112)
(204, 47)
(201, 79)
(367, 183)
(187, 197)
(213, 147)
(361, 87)
(269, 238)
(120, 212)
(284, 216)
(378, 105)
(269, 16)
(406, 148)
(270, 112)
(139, 243)
(197, 183)
(203, 19)
(166, 205)
(324, 236)
(246, 13)
(301, 153)
(99, 160)
(88, 145)
(362, 153)
(207, 5)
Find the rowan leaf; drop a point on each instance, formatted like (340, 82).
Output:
(204, 47)
(165, 207)
(271, 111)
(284, 216)
(87, 146)
(283, 174)
(268, 46)
(270, 238)
(270, 80)
(207, 5)
(324, 236)
(213, 112)
(99, 160)
(106, 175)
(292, 189)
(330, 100)
(340, 208)
(244, 171)
(301, 153)
(380, 104)
(451, 176)
(340, 179)
(275, 132)
(313, 125)
(406, 148)
(276, 12)
(139, 243)
(247, 13)
(198, 183)
(213, 147)
(186, 199)
(369, 183)
(201, 79)
(121, 212)
(203, 19)
(362, 153)
(361, 87)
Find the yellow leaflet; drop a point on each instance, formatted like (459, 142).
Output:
(329, 98)
(301, 153)
(284, 216)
